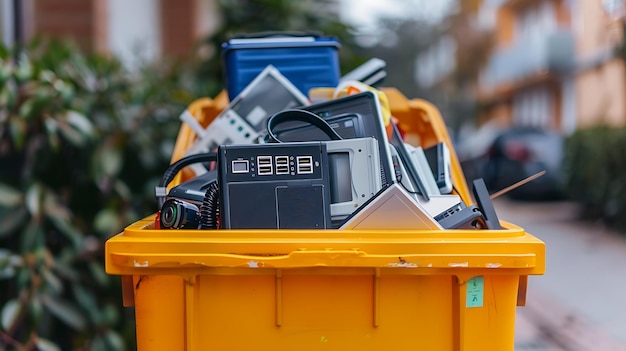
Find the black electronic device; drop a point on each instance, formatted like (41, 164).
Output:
(404, 157)
(194, 189)
(438, 157)
(274, 186)
(178, 214)
(352, 116)
(483, 201)
(462, 217)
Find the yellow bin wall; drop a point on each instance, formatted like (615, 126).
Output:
(326, 289)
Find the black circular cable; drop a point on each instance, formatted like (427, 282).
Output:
(175, 167)
(302, 116)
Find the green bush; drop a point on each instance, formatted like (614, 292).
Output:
(82, 144)
(595, 169)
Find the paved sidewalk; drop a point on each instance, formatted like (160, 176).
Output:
(580, 303)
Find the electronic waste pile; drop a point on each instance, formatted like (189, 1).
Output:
(316, 151)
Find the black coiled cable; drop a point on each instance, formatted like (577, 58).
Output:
(210, 209)
(175, 167)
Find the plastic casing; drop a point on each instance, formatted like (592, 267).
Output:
(326, 289)
(305, 64)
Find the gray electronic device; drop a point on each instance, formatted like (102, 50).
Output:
(420, 163)
(468, 217)
(438, 157)
(436, 203)
(352, 116)
(243, 121)
(391, 208)
(354, 169)
(371, 72)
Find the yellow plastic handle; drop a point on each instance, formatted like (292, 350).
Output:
(324, 258)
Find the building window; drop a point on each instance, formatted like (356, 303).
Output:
(533, 108)
(436, 63)
(536, 22)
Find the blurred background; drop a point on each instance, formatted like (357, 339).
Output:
(91, 91)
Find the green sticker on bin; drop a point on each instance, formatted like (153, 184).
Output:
(475, 292)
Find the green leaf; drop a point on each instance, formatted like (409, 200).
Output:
(24, 69)
(8, 263)
(72, 135)
(106, 221)
(32, 237)
(5, 256)
(36, 309)
(27, 110)
(8, 96)
(46, 345)
(87, 302)
(98, 273)
(10, 312)
(33, 199)
(110, 315)
(11, 220)
(79, 122)
(66, 271)
(123, 190)
(52, 281)
(18, 132)
(23, 278)
(10, 196)
(111, 161)
(52, 128)
(65, 311)
(6, 70)
(114, 341)
(98, 344)
(68, 230)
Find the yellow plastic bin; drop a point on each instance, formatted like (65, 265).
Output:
(327, 289)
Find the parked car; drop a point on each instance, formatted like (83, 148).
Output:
(521, 152)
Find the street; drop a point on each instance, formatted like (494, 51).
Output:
(579, 304)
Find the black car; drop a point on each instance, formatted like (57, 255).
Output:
(519, 153)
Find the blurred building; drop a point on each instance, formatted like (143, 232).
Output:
(133, 30)
(554, 64)
(529, 76)
(446, 70)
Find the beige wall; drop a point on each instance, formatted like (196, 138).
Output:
(601, 93)
(601, 85)
(594, 29)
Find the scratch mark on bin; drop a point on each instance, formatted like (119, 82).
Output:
(141, 264)
(255, 264)
(493, 265)
(139, 281)
(460, 264)
(402, 264)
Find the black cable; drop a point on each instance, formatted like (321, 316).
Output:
(302, 116)
(457, 192)
(210, 210)
(175, 167)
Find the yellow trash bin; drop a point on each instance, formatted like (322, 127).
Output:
(327, 289)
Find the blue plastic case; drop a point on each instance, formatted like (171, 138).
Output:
(307, 61)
